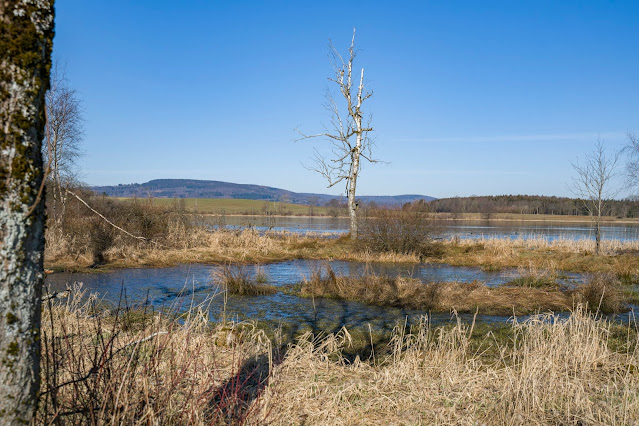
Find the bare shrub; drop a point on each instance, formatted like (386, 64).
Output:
(80, 231)
(399, 231)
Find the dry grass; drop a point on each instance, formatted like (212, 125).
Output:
(618, 257)
(601, 293)
(125, 366)
(237, 280)
(437, 297)
(533, 276)
(559, 372)
(608, 247)
(197, 245)
(135, 367)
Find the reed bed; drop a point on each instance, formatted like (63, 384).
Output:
(199, 245)
(442, 296)
(554, 372)
(617, 257)
(534, 292)
(608, 246)
(130, 366)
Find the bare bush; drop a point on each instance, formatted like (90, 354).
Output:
(80, 231)
(399, 231)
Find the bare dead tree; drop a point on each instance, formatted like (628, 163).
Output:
(63, 135)
(26, 39)
(592, 183)
(347, 133)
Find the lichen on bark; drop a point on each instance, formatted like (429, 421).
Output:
(26, 40)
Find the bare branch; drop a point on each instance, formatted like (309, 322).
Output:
(592, 182)
(347, 136)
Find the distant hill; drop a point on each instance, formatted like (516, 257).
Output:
(189, 188)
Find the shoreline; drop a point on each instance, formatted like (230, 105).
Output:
(475, 217)
(249, 246)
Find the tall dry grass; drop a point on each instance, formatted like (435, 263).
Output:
(440, 296)
(133, 366)
(128, 366)
(554, 372)
(617, 257)
(505, 245)
(238, 281)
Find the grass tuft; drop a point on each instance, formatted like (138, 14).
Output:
(237, 281)
(601, 293)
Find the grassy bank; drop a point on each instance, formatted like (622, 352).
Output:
(181, 245)
(618, 257)
(132, 367)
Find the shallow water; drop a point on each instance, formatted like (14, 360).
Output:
(181, 287)
(463, 229)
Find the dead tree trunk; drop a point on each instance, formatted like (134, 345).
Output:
(345, 163)
(26, 37)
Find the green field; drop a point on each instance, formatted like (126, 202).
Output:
(237, 206)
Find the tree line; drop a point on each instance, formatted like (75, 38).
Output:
(524, 204)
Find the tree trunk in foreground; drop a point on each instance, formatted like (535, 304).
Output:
(26, 38)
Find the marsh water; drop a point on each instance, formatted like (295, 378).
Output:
(179, 288)
(461, 228)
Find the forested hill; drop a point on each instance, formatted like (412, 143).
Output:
(525, 204)
(187, 188)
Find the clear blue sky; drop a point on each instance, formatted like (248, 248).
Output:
(470, 97)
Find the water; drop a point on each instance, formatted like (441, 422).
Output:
(184, 286)
(463, 229)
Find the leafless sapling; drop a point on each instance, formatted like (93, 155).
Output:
(632, 166)
(593, 183)
(63, 135)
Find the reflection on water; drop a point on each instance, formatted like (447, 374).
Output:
(462, 229)
(183, 286)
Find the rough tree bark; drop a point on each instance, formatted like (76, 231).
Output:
(26, 39)
(345, 162)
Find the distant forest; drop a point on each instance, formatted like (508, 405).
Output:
(524, 204)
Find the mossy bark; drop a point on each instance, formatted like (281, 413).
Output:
(26, 39)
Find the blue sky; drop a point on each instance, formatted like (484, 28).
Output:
(470, 97)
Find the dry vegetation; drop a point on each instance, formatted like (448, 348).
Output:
(600, 293)
(131, 367)
(617, 257)
(237, 280)
(168, 236)
(553, 372)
